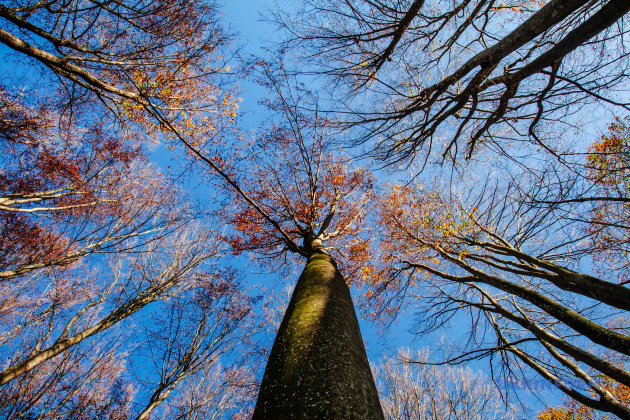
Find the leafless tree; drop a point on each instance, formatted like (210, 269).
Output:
(187, 339)
(68, 191)
(215, 393)
(71, 353)
(92, 234)
(85, 382)
(425, 76)
(411, 390)
(72, 309)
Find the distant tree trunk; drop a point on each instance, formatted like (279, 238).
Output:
(318, 368)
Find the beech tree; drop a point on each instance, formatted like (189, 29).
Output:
(217, 393)
(420, 76)
(537, 263)
(92, 379)
(84, 382)
(69, 191)
(63, 318)
(292, 198)
(80, 196)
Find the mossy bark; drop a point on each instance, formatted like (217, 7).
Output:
(318, 368)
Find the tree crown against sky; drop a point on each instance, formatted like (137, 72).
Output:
(134, 51)
(511, 248)
(153, 67)
(288, 193)
(297, 189)
(530, 260)
(415, 391)
(95, 237)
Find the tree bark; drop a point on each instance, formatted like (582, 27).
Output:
(318, 368)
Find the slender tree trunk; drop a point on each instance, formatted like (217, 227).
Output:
(318, 368)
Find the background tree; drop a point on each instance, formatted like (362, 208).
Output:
(69, 328)
(412, 390)
(84, 382)
(515, 257)
(92, 234)
(217, 393)
(68, 191)
(66, 197)
(424, 76)
(186, 340)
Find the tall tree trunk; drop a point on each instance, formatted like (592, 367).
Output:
(318, 368)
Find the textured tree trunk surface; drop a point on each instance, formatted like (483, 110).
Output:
(318, 368)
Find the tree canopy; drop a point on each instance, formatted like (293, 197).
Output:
(461, 165)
